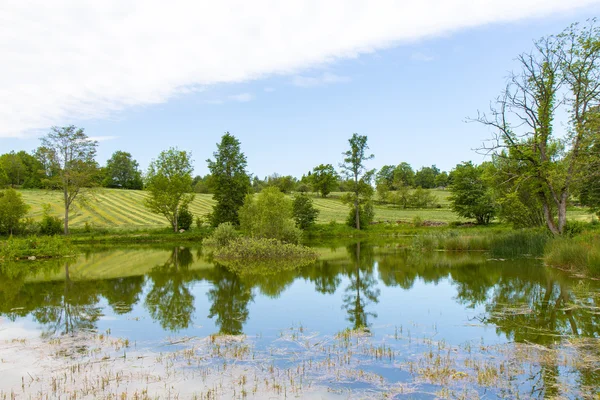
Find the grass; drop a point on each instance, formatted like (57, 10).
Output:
(124, 209)
(580, 254)
(35, 247)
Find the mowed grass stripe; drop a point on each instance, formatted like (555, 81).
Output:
(126, 209)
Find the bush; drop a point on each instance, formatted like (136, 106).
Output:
(40, 247)
(269, 216)
(574, 228)
(51, 225)
(222, 235)
(304, 212)
(185, 218)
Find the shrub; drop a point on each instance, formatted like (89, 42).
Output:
(185, 218)
(222, 235)
(304, 211)
(50, 225)
(417, 221)
(269, 216)
(41, 247)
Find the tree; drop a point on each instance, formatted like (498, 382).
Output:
(324, 179)
(12, 210)
(284, 183)
(14, 169)
(230, 181)
(470, 195)
(425, 177)
(562, 70)
(354, 168)
(304, 212)
(404, 175)
(441, 179)
(122, 171)
(69, 155)
(269, 216)
(169, 182)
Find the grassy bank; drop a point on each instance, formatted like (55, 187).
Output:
(35, 247)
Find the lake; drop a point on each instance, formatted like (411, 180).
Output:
(368, 320)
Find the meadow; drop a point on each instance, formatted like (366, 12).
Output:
(124, 209)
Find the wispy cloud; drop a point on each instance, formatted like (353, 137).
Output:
(242, 97)
(324, 79)
(66, 60)
(420, 56)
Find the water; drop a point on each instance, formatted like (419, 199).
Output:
(374, 318)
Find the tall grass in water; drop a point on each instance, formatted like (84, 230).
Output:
(500, 244)
(580, 254)
(519, 243)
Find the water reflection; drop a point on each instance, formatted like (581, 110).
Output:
(524, 301)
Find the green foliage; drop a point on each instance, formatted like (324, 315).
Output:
(12, 211)
(230, 181)
(122, 171)
(361, 193)
(269, 216)
(50, 225)
(185, 218)
(530, 242)
(169, 183)
(70, 166)
(284, 183)
(366, 214)
(470, 195)
(222, 235)
(580, 254)
(39, 247)
(422, 198)
(324, 179)
(425, 177)
(262, 255)
(304, 211)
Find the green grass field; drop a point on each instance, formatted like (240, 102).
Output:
(124, 209)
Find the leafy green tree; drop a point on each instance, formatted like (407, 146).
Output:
(269, 215)
(231, 183)
(354, 168)
(169, 183)
(324, 179)
(404, 175)
(12, 210)
(15, 170)
(70, 161)
(425, 177)
(471, 196)
(304, 211)
(122, 171)
(202, 184)
(385, 177)
(284, 183)
(422, 198)
(441, 180)
(561, 70)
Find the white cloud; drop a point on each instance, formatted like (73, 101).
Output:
(64, 60)
(419, 56)
(324, 79)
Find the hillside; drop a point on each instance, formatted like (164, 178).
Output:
(115, 208)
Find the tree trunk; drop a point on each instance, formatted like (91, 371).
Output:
(357, 212)
(66, 211)
(562, 213)
(175, 221)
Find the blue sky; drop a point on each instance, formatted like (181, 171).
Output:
(409, 93)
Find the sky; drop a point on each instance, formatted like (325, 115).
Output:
(291, 80)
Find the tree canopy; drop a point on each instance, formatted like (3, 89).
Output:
(230, 182)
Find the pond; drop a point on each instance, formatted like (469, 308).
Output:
(368, 319)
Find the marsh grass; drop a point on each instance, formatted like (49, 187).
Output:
(580, 254)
